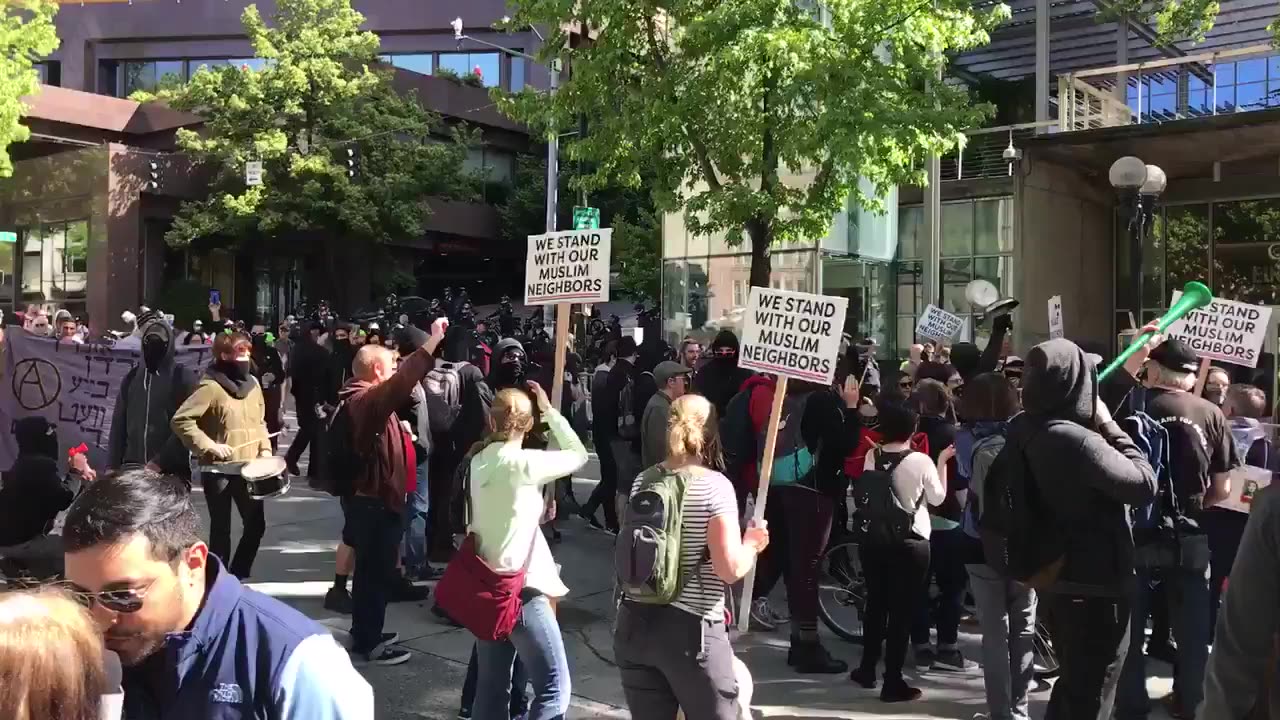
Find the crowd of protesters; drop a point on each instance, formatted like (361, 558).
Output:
(429, 435)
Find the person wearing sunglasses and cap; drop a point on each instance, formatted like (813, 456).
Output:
(193, 641)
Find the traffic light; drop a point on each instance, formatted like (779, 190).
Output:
(153, 179)
(353, 157)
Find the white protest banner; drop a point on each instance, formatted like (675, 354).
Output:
(938, 324)
(568, 267)
(1226, 330)
(1246, 481)
(796, 335)
(1057, 327)
(72, 386)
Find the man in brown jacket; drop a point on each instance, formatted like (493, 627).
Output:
(374, 521)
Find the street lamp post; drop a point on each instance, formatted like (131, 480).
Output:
(1139, 186)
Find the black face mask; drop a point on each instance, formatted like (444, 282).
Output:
(236, 370)
(341, 343)
(511, 373)
(154, 348)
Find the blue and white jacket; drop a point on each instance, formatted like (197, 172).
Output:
(247, 656)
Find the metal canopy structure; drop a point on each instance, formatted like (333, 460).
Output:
(1082, 39)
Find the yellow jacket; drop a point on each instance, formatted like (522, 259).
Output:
(222, 411)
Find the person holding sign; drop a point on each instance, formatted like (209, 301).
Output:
(672, 645)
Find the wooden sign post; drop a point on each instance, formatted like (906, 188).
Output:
(562, 268)
(790, 335)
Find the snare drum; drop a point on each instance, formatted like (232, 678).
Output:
(265, 477)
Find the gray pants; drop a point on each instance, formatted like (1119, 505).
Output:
(672, 660)
(1007, 616)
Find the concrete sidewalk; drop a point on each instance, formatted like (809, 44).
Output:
(296, 565)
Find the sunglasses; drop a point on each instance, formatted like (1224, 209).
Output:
(725, 352)
(126, 601)
(904, 384)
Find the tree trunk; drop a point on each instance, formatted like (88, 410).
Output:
(761, 233)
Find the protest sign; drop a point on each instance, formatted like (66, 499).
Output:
(938, 324)
(1225, 330)
(72, 386)
(795, 335)
(1057, 327)
(568, 267)
(1246, 481)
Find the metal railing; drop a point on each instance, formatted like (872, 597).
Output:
(983, 154)
(1100, 98)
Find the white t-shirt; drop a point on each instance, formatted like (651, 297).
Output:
(914, 477)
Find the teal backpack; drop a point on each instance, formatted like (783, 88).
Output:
(646, 557)
(793, 462)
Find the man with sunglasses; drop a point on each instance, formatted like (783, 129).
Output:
(193, 641)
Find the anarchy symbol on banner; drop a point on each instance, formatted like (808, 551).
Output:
(36, 383)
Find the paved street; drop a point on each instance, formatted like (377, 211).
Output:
(296, 564)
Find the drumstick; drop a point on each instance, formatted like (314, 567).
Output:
(251, 442)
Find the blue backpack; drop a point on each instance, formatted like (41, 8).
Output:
(1155, 525)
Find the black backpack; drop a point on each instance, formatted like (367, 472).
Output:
(334, 453)
(882, 517)
(1021, 536)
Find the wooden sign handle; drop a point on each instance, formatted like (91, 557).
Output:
(562, 346)
(762, 493)
(1203, 376)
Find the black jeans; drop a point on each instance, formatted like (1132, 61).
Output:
(1225, 529)
(894, 575)
(603, 495)
(219, 492)
(308, 424)
(799, 525)
(375, 532)
(1091, 637)
(946, 564)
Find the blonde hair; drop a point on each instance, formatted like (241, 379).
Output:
(692, 431)
(51, 658)
(510, 416)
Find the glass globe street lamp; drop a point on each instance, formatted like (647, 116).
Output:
(1139, 186)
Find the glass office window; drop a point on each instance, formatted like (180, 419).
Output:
(421, 63)
(150, 75)
(517, 73)
(486, 64)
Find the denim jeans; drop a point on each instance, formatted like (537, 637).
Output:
(1189, 585)
(519, 681)
(1091, 637)
(417, 505)
(375, 535)
(1007, 616)
(538, 641)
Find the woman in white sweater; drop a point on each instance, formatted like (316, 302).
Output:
(507, 505)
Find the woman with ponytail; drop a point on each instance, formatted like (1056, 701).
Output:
(506, 508)
(676, 655)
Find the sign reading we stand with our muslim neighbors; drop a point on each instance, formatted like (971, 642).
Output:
(1225, 330)
(568, 267)
(938, 324)
(792, 334)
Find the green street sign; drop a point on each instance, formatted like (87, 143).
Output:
(9, 237)
(586, 218)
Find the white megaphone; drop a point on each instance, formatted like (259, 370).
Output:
(985, 298)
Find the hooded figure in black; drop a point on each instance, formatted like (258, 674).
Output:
(268, 368)
(149, 395)
(721, 378)
(309, 371)
(344, 354)
(1086, 471)
(33, 492)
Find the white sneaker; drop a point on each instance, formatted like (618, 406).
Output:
(764, 615)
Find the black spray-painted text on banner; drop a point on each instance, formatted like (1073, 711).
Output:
(793, 334)
(568, 267)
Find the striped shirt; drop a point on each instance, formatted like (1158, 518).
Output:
(708, 494)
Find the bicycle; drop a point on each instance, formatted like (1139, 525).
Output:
(1045, 658)
(842, 590)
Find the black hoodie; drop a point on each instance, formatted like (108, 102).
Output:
(140, 431)
(1086, 473)
(32, 493)
(720, 378)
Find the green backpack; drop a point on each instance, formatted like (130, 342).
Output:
(646, 557)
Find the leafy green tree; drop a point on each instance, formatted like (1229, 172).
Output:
(629, 211)
(728, 104)
(27, 34)
(347, 161)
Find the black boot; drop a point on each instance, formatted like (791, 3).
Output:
(809, 657)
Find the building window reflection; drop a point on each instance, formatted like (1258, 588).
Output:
(55, 263)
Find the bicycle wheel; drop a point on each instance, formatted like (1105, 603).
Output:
(842, 596)
(1045, 658)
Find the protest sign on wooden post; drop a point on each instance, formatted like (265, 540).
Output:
(938, 324)
(562, 268)
(1057, 326)
(1202, 376)
(1229, 331)
(791, 335)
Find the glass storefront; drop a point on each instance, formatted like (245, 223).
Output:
(706, 282)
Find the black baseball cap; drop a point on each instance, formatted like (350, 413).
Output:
(1176, 355)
